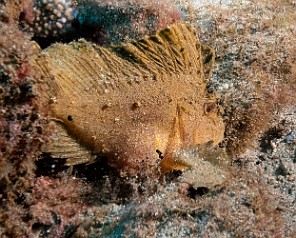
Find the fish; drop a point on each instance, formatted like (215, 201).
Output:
(140, 104)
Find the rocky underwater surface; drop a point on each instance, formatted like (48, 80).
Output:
(251, 88)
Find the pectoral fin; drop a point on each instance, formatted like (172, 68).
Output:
(177, 137)
(64, 146)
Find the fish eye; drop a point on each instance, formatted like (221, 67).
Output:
(70, 118)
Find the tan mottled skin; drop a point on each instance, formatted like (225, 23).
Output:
(127, 103)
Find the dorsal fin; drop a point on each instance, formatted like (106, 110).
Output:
(84, 68)
(174, 50)
(48, 85)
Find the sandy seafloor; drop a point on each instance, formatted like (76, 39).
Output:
(253, 41)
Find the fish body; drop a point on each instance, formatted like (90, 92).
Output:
(134, 103)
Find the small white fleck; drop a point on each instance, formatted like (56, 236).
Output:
(63, 20)
(60, 7)
(59, 25)
(55, 11)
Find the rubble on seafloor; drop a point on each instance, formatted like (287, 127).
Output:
(254, 74)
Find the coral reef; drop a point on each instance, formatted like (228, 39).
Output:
(255, 72)
(53, 18)
(55, 201)
(255, 75)
(114, 21)
(20, 125)
(103, 22)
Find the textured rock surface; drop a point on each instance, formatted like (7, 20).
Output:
(21, 132)
(254, 42)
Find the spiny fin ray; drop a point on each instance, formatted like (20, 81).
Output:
(82, 67)
(65, 147)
